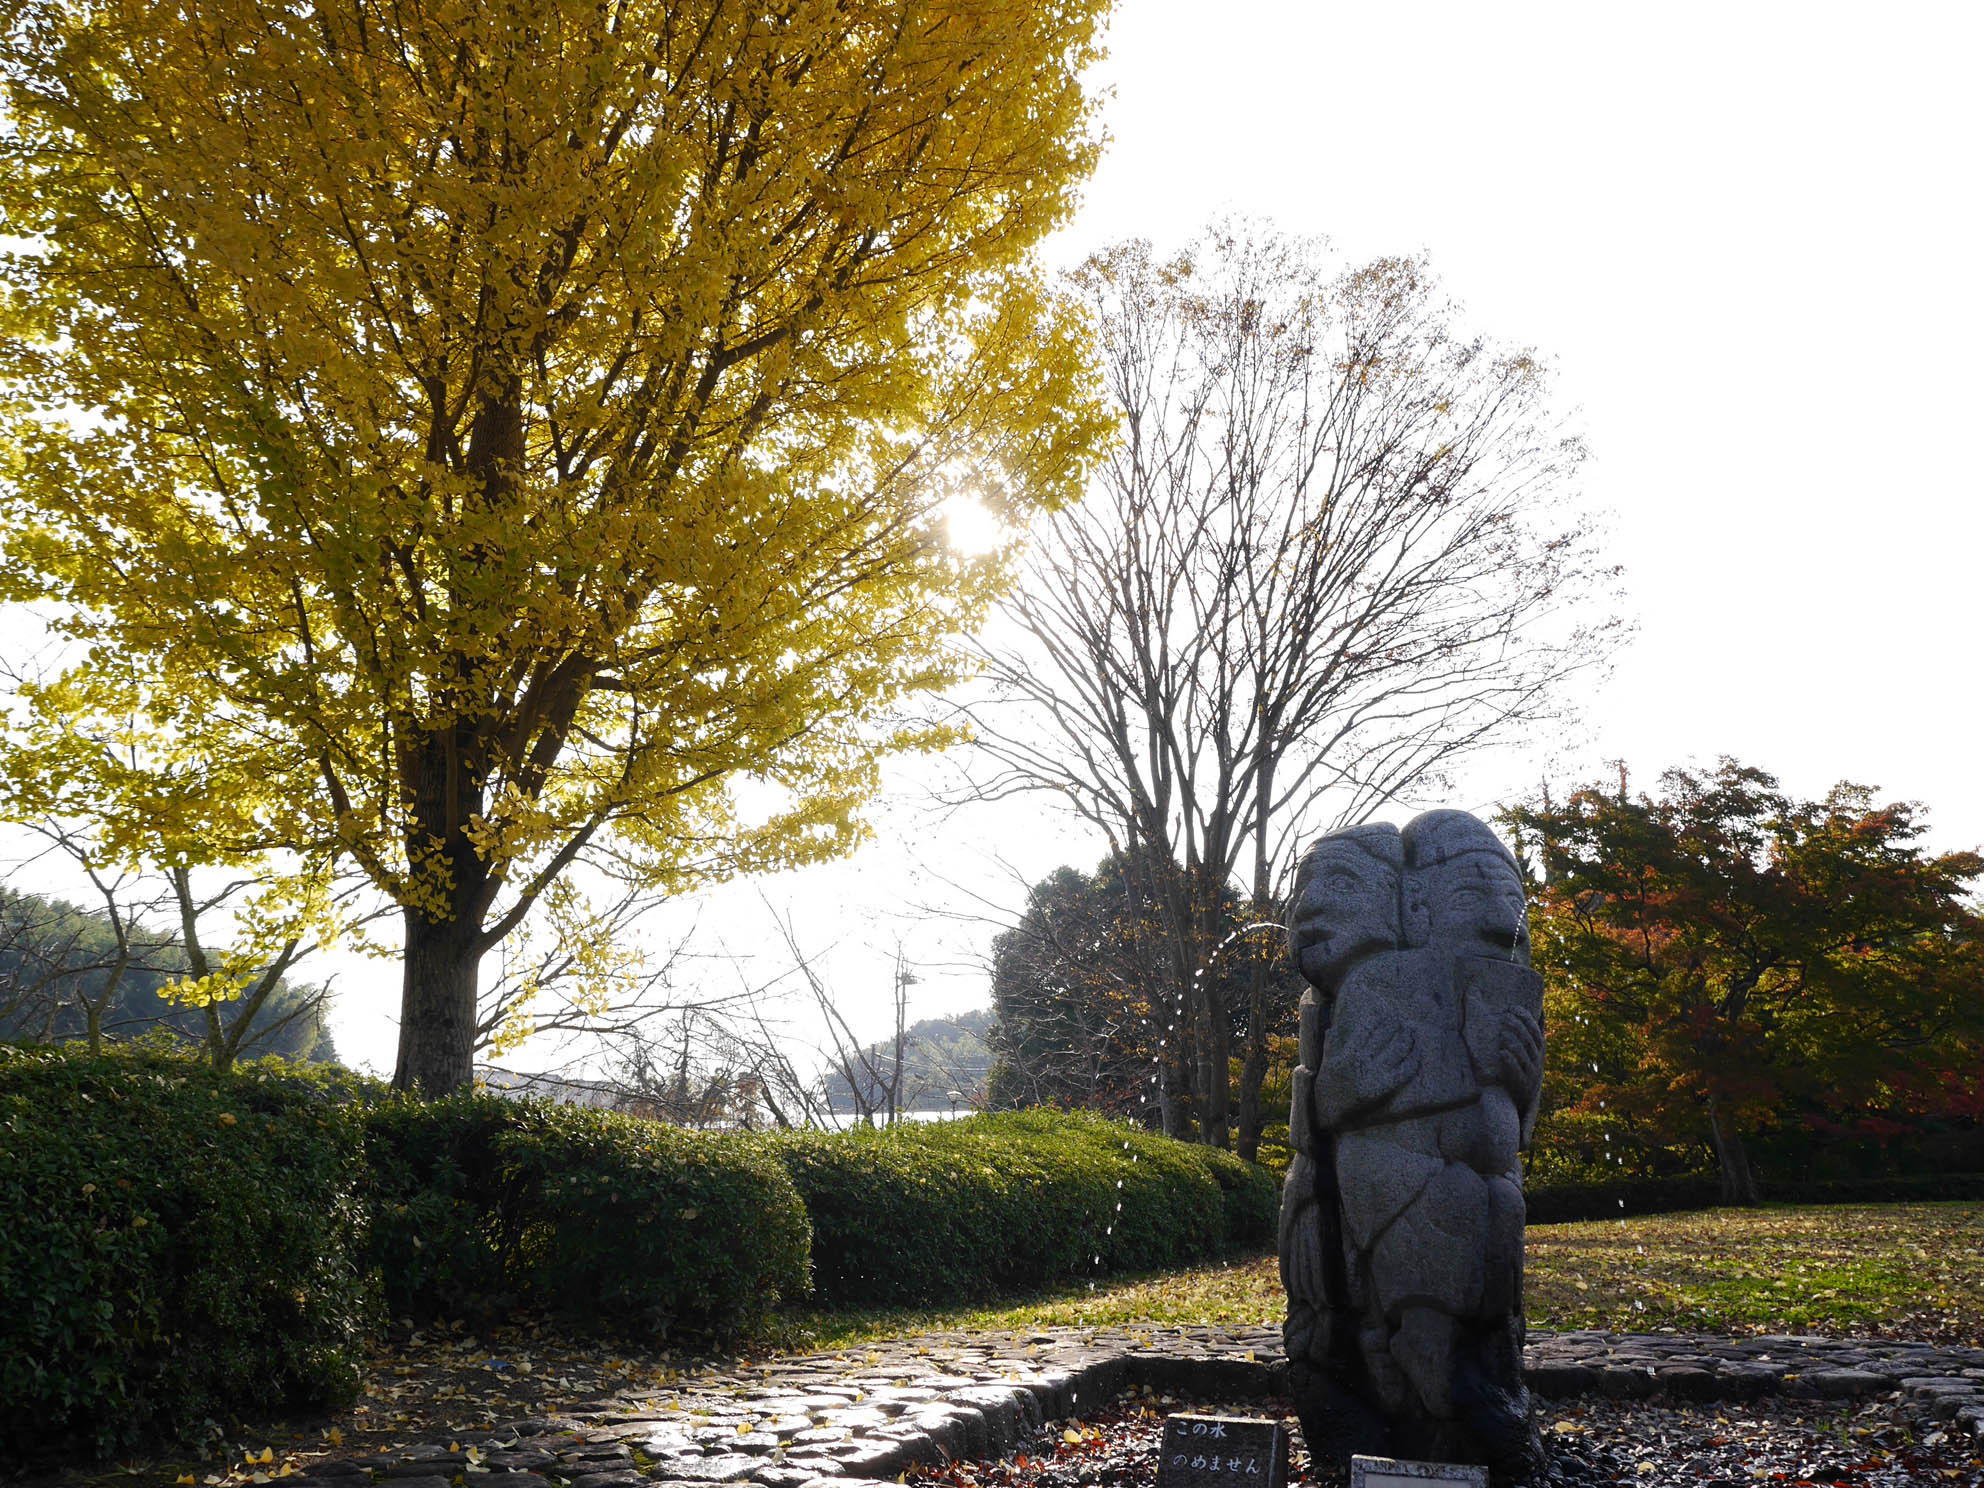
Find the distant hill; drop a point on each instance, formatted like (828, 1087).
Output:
(940, 1055)
(50, 949)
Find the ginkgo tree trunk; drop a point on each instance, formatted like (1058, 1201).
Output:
(535, 417)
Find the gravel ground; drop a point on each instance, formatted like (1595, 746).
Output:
(1594, 1444)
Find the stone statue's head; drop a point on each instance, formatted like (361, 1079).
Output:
(1346, 901)
(1462, 889)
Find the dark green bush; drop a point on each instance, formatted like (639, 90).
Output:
(179, 1246)
(1920, 1188)
(943, 1211)
(613, 1224)
(1565, 1202)
(1561, 1203)
(1252, 1197)
(1250, 1194)
(186, 1247)
(437, 1240)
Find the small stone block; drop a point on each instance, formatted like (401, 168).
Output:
(1394, 1472)
(730, 1467)
(1222, 1452)
(624, 1477)
(518, 1459)
(1837, 1384)
(1684, 1382)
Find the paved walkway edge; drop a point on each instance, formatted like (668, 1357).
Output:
(860, 1417)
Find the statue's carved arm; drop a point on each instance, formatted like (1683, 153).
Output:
(1518, 1064)
(1361, 1070)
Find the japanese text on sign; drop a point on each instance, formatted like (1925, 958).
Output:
(1222, 1452)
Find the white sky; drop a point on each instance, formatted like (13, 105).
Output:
(1747, 237)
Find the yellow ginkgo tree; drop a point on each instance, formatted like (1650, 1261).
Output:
(526, 420)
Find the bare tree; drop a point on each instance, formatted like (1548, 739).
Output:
(872, 1074)
(1328, 558)
(793, 1096)
(691, 1070)
(234, 1020)
(745, 1057)
(70, 971)
(578, 970)
(37, 936)
(77, 975)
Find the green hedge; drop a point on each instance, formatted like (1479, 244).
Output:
(613, 1224)
(185, 1247)
(1562, 1203)
(1252, 1196)
(1565, 1202)
(1921, 1188)
(178, 1245)
(942, 1211)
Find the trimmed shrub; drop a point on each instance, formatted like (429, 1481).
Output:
(1250, 1194)
(180, 1246)
(438, 1239)
(613, 1224)
(1563, 1203)
(1252, 1198)
(1921, 1188)
(943, 1211)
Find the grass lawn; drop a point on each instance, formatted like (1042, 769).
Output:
(1894, 1270)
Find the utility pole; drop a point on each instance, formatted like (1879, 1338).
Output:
(905, 979)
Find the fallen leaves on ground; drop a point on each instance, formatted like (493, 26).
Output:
(419, 1386)
(1593, 1444)
(1911, 1271)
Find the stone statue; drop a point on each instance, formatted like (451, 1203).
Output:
(1402, 1220)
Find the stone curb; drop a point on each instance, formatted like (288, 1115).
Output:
(856, 1419)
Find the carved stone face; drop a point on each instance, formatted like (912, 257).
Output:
(1346, 905)
(1475, 904)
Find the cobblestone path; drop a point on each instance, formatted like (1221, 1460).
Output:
(856, 1419)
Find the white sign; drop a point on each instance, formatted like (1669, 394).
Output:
(1391, 1472)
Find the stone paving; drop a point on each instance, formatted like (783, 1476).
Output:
(858, 1418)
